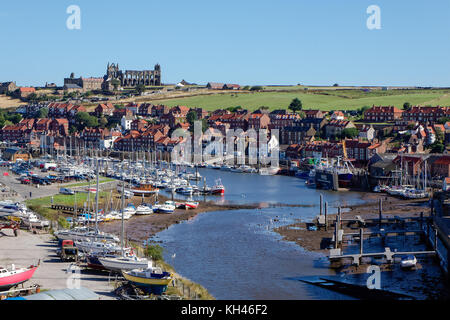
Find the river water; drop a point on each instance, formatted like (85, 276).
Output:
(236, 254)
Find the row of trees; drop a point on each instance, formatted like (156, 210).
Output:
(7, 118)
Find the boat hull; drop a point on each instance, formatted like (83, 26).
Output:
(9, 282)
(152, 285)
(112, 264)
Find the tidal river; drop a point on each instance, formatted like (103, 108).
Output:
(236, 255)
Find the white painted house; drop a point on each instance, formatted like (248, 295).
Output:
(126, 122)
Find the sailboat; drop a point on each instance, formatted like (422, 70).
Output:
(124, 261)
(15, 276)
(152, 279)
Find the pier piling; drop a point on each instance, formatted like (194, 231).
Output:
(326, 212)
(320, 205)
(380, 211)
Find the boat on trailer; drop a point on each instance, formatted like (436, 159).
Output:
(152, 280)
(15, 276)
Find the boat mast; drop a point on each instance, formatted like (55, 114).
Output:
(96, 202)
(123, 207)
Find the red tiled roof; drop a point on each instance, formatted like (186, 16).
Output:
(26, 89)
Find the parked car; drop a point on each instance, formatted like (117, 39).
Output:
(66, 191)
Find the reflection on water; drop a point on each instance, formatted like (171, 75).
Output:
(253, 188)
(236, 255)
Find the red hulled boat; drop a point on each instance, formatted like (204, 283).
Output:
(15, 276)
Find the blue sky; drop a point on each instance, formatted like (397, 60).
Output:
(248, 42)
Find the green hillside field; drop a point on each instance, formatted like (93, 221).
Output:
(313, 99)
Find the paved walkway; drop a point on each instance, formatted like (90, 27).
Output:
(27, 249)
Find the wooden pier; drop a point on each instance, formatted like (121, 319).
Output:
(67, 209)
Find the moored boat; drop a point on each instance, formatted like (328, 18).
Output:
(144, 189)
(144, 210)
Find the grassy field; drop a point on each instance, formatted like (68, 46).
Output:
(93, 182)
(7, 102)
(320, 99)
(42, 205)
(67, 200)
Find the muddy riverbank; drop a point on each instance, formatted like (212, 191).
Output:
(141, 228)
(318, 241)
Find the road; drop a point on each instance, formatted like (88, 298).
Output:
(24, 190)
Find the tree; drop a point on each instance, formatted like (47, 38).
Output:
(83, 119)
(155, 252)
(336, 85)
(439, 135)
(15, 118)
(406, 106)
(43, 113)
(103, 122)
(349, 133)
(437, 147)
(296, 105)
(32, 97)
(140, 88)
(443, 120)
(363, 109)
(256, 88)
(72, 129)
(191, 117)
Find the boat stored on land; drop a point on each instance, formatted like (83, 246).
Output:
(13, 277)
(152, 280)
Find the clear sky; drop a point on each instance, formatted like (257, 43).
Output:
(319, 42)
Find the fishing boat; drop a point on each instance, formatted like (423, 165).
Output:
(153, 280)
(15, 276)
(191, 204)
(218, 188)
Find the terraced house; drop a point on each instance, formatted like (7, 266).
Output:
(426, 114)
(334, 128)
(280, 119)
(382, 114)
